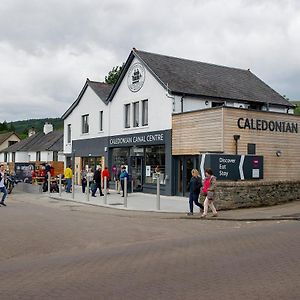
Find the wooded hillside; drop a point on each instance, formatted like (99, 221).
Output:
(21, 127)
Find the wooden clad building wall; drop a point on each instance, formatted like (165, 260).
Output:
(212, 130)
(284, 167)
(197, 131)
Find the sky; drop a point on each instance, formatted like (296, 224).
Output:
(48, 48)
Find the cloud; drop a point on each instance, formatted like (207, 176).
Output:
(53, 46)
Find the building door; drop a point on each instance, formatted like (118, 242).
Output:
(137, 177)
(184, 166)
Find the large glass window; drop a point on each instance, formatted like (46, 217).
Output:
(136, 114)
(91, 163)
(127, 115)
(101, 120)
(155, 162)
(145, 112)
(85, 123)
(69, 134)
(120, 156)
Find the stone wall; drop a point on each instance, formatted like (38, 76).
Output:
(230, 195)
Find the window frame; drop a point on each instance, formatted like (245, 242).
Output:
(136, 114)
(101, 120)
(85, 124)
(145, 118)
(69, 133)
(127, 115)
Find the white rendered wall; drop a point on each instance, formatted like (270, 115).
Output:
(90, 104)
(46, 156)
(21, 157)
(2, 157)
(159, 106)
(32, 156)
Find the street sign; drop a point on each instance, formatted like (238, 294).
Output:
(233, 167)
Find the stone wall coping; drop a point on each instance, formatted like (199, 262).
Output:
(254, 183)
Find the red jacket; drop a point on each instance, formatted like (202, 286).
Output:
(105, 173)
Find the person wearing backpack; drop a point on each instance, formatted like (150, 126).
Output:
(208, 191)
(195, 186)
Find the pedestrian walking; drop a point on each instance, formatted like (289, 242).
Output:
(105, 173)
(195, 186)
(83, 180)
(2, 184)
(68, 177)
(97, 179)
(123, 175)
(209, 185)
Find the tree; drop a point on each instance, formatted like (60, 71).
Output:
(114, 74)
(3, 126)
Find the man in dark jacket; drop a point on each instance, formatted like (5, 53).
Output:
(97, 179)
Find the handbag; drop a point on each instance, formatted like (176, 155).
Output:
(210, 195)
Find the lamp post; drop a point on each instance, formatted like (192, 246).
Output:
(236, 137)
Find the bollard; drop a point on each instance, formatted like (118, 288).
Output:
(73, 187)
(49, 182)
(105, 190)
(59, 185)
(125, 192)
(87, 189)
(158, 192)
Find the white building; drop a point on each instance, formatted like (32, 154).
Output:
(42, 146)
(131, 123)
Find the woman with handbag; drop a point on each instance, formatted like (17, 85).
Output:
(208, 191)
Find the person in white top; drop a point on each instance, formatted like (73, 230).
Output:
(2, 185)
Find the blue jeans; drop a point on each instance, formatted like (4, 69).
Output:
(69, 184)
(194, 199)
(4, 191)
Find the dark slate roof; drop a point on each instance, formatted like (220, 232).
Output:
(195, 78)
(4, 136)
(53, 141)
(101, 89)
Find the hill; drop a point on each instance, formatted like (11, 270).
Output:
(21, 127)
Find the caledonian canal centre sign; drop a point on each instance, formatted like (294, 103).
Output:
(264, 125)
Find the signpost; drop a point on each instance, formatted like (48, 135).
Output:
(233, 167)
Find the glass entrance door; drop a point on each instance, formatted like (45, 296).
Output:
(184, 166)
(137, 173)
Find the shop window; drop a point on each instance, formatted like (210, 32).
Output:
(251, 148)
(69, 133)
(136, 114)
(85, 123)
(101, 120)
(120, 157)
(91, 163)
(127, 115)
(155, 161)
(145, 112)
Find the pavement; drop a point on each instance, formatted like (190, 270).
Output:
(179, 206)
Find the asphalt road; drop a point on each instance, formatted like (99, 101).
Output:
(57, 250)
